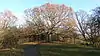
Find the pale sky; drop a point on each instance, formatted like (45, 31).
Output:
(18, 6)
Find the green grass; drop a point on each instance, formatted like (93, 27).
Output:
(59, 50)
(67, 50)
(17, 52)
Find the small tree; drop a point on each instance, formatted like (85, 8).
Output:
(7, 20)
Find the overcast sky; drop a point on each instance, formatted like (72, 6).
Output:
(18, 6)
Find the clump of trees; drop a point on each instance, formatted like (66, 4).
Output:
(50, 22)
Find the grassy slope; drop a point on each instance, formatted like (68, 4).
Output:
(67, 50)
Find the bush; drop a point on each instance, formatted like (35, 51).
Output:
(9, 40)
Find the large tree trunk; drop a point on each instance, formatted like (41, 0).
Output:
(74, 40)
(48, 38)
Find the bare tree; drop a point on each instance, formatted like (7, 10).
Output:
(89, 26)
(81, 17)
(49, 18)
(94, 27)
